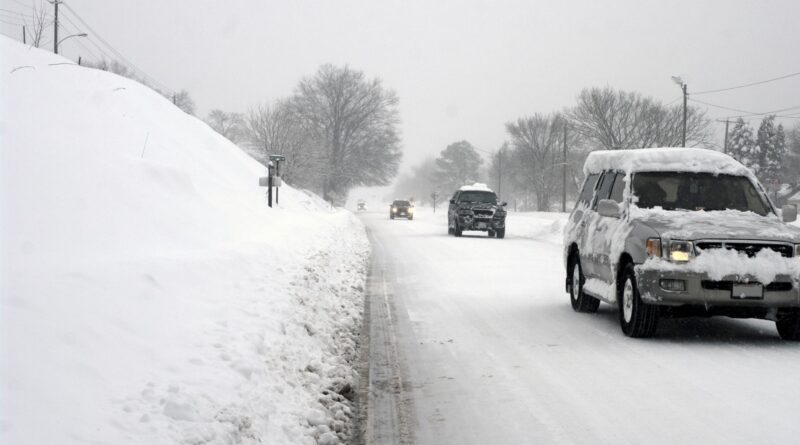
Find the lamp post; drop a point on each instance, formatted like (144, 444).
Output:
(83, 34)
(680, 83)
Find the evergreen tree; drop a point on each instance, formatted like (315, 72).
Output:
(459, 164)
(742, 146)
(771, 143)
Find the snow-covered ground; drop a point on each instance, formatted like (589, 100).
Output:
(493, 352)
(148, 293)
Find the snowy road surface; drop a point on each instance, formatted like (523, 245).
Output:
(490, 351)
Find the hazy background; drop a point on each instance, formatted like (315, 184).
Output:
(461, 68)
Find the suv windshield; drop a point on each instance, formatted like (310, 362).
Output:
(475, 196)
(697, 191)
(401, 204)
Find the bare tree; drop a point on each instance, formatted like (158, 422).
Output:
(537, 141)
(355, 120)
(615, 120)
(183, 101)
(40, 20)
(277, 130)
(230, 125)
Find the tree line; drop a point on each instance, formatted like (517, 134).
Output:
(338, 130)
(528, 168)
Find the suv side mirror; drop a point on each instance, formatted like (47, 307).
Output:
(789, 213)
(503, 204)
(608, 207)
(452, 201)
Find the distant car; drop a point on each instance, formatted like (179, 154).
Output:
(401, 209)
(361, 206)
(681, 232)
(475, 207)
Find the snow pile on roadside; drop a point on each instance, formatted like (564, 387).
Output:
(148, 293)
(545, 226)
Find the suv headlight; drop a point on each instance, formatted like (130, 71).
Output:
(680, 251)
(797, 251)
(465, 211)
(411, 210)
(394, 209)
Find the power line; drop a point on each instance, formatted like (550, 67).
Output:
(747, 84)
(10, 23)
(10, 11)
(119, 55)
(747, 113)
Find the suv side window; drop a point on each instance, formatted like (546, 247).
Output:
(605, 188)
(618, 191)
(588, 189)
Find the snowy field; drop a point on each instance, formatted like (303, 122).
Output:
(493, 352)
(149, 296)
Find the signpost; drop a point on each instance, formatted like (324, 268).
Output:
(273, 178)
(277, 159)
(434, 195)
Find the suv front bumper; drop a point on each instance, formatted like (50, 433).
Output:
(783, 292)
(469, 222)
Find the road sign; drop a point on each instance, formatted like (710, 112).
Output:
(278, 158)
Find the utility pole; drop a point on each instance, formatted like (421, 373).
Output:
(685, 97)
(24, 39)
(564, 174)
(725, 149)
(500, 172)
(682, 84)
(55, 26)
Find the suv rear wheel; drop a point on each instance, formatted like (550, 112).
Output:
(636, 318)
(580, 301)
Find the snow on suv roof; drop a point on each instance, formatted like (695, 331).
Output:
(695, 160)
(478, 186)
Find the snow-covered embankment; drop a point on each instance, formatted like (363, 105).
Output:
(148, 293)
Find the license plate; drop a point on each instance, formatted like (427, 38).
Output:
(481, 225)
(747, 291)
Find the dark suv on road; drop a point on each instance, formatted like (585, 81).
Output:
(475, 207)
(401, 209)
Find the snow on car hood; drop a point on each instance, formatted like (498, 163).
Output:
(765, 267)
(725, 224)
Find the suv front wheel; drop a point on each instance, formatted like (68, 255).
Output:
(580, 301)
(636, 318)
(789, 326)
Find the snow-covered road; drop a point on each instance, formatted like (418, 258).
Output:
(490, 351)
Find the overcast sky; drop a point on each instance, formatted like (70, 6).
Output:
(461, 68)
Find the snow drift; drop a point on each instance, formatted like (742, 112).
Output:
(148, 293)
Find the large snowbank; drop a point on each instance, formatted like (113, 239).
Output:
(148, 293)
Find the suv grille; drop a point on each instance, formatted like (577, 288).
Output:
(750, 249)
(482, 213)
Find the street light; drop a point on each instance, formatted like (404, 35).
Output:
(679, 81)
(83, 34)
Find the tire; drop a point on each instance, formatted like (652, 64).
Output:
(391, 216)
(501, 233)
(636, 318)
(581, 302)
(457, 231)
(410, 218)
(491, 234)
(789, 326)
